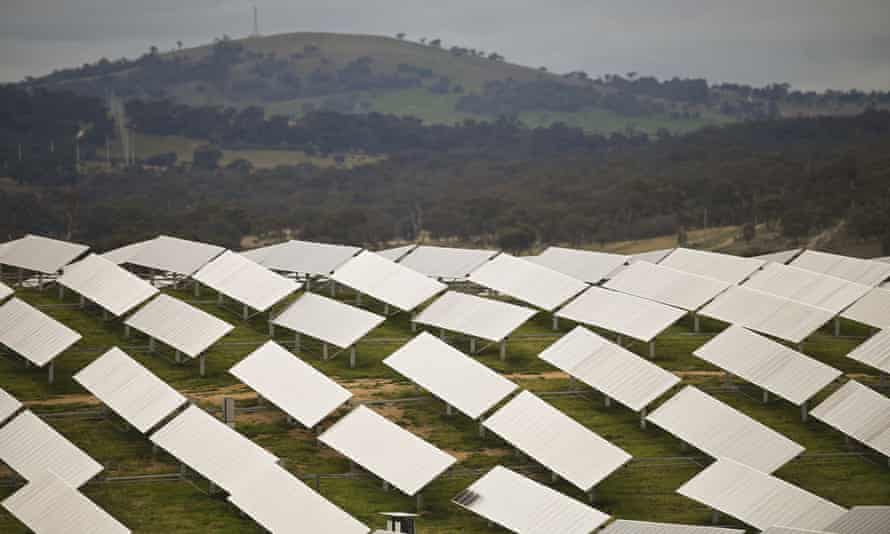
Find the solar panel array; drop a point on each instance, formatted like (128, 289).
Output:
(873, 309)
(474, 316)
(328, 320)
(179, 325)
(9, 405)
(874, 352)
(245, 281)
(866, 272)
(624, 526)
(819, 290)
(387, 281)
(528, 282)
(303, 257)
(666, 285)
(445, 263)
(104, 283)
(5, 291)
(627, 315)
(587, 266)
(40, 254)
(724, 267)
(167, 254)
(859, 412)
(35, 336)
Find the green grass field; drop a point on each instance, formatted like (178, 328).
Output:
(645, 489)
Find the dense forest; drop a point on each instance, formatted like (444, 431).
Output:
(498, 180)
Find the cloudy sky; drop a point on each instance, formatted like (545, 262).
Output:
(812, 44)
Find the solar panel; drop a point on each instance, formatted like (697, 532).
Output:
(48, 505)
(446, 263)
(801, 285)
(665, 285)
(873, 309)
(131, 390)
(624, 314)
(288, 382)
(874, 352)
(789, 530)
(30, 447)
(526, 281)
(520, 504)
(609, 368)
(767, 364)
(782, 257)
(387, 450)
(40, 254)
(246, 282)
(721, 431)
(280, 502)
(179, 325)
(624, 526)
(768, 314)
(32, 334)
(449, 374)
(386, 281)
(859, 412)
(303, 257)
(329, 320)
(866, 272)
(724, 267)
(396, 253)
(9, 405)
(104, 283)
(475, 316)
(5, 291)
(759, 499)
(585, 265)
(168, 254)
(653, 256)
(556, 441)
(862, 520)
(215, 451)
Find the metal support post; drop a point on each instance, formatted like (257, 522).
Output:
(696, 323)
(472, 345)
(358, 298)
(652, 349)
(555, 322)
(413, 324)
(448, 409)
(607, 401)
(151, 344)
(178, 357)
(201, 365)
(503, 350)
(197, 288)
(837, 326)
(333, 286)
(554, 478)
(297, 342)
(352, 357)
(765, 396)
(271, 329)
(51, 372)
(804, 412)
(246, 312)
(643, 419)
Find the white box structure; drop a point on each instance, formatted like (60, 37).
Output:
(759, 499)
(302, 257)
(585, 265)
(106, 284)
(520, 504)
(819, 290)
(382, 447)
(131, 390)
(449, 374)
(291, 384)
(609, 368)
(866, 272)
(724, 267)
(556, 441)
(859, 412)
(40, 254)
(474, 316)
(245, 281)
(387, 281)
(167, 254)
(528, 282)
(446, 263)
(768, 314)
(721, 431)
(767, 364)
(30, 447)
(666, 285)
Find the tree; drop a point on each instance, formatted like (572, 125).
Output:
(517, 239)
(749, 231)
(400, 36)
(437, 43)
(179, 45)
(206, 157)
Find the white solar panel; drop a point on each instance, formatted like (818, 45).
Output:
(866, 272)
(557, 441)
(668, 286)
(624, 314)
(526, 281)
(387, 450)
(5, 291)
(32, 334)
(808, 287)
(721, 431)
(724, 267)
(387, 281)
(281, 503)
(859, 412)
(168, 254)
(303, 257)
(246, 282)
(30, 447)
(606, 367)
(520, 504)
(475, 316)
(768, 314)
(217, 452)
(288, 382)
(873, 309)
(624, 526)
(47, 505)
(783, 257)
(874, 352)
(450, 375)
(179, 325)
(9, 405)
(765, 363)
(104, 283)
(131, 390)
(759, 499)
(863, 520)
(40, 254)
(396, 253)
(446, 263)
(329, 320)
(653, 256)
(584, 265)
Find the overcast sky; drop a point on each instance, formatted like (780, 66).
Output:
(812, 44)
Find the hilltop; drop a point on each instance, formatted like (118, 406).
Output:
(293, 74)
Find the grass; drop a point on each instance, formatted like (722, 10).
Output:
(645, 489)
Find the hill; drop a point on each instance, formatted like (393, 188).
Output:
(292, 74)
